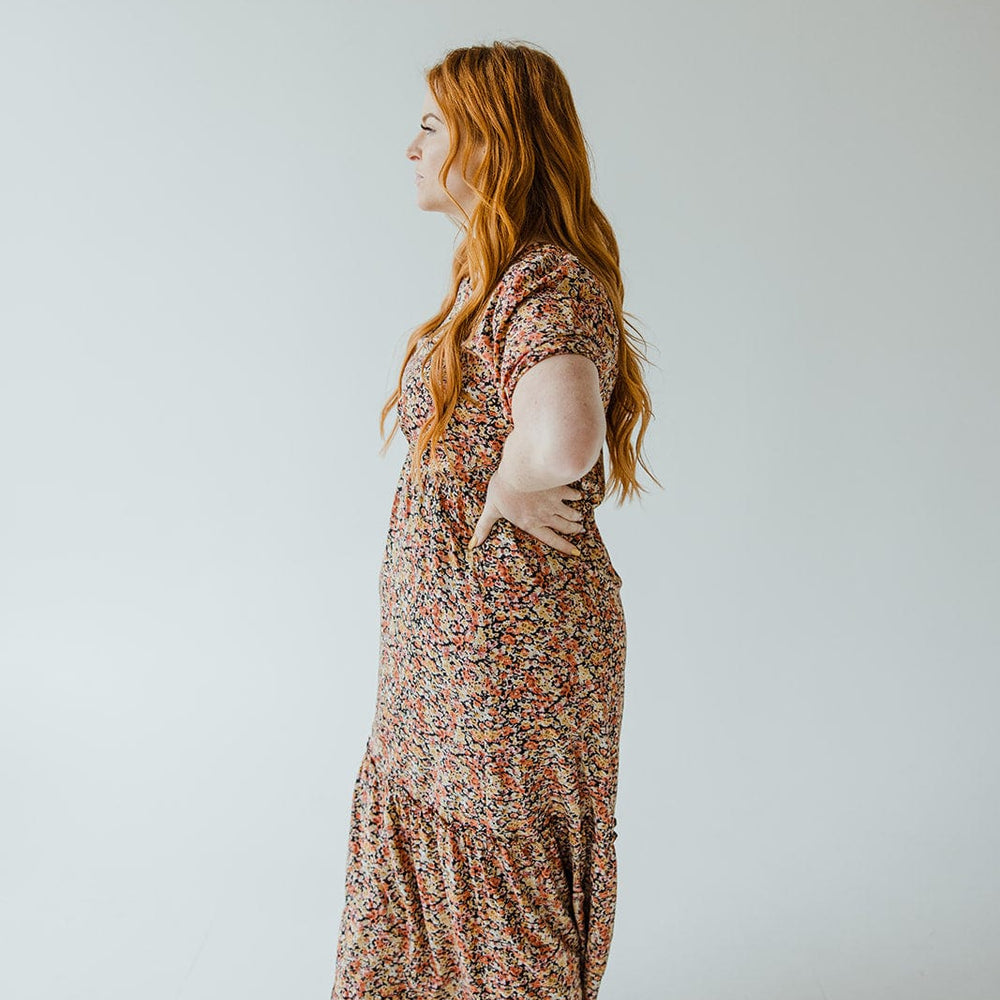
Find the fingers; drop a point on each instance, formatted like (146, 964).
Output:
(546, 514)
(557, 541)
(483, 526)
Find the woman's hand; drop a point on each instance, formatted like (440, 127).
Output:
(542, 513)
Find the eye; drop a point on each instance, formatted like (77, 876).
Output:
(427, 128)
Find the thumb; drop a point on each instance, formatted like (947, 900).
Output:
(483, 526)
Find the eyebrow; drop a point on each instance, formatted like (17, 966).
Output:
(430, 114)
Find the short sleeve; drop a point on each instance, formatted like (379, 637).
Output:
(553, 307)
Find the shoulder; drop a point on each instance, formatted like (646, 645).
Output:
(547, 271)
(542, 264)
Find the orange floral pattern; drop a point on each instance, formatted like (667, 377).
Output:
(481, 856)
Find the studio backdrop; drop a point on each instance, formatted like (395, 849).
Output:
(212, 257)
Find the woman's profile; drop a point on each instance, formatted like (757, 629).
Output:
(481, 859)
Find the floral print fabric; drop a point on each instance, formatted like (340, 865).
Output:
(481, 859)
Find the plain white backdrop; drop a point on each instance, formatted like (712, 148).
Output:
(211, 258)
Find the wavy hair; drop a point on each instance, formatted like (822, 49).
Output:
(512, 101)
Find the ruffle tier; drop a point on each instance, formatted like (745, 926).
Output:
(441, 910)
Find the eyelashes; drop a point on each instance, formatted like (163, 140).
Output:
(427, 128)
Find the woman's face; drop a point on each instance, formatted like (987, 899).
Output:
(427, 152)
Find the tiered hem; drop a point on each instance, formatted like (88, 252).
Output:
(439, 909)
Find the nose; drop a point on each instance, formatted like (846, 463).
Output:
(412, 153)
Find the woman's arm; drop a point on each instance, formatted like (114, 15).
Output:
(558, 424)
(558, 434)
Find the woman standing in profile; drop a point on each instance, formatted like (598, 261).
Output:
(481, 860)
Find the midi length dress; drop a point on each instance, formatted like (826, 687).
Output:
(481, 855)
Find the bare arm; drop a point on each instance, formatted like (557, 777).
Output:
(558, 424)
(558, 434)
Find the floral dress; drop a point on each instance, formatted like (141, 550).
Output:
(481, 857)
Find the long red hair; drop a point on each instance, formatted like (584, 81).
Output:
(533, 184)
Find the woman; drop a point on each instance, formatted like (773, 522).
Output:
(481, 859)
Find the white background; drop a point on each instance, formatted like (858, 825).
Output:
(211, 258)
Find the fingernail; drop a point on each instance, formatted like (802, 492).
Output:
(576, 551)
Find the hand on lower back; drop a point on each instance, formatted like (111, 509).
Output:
(542, 513)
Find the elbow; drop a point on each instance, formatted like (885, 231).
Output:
(579, 453)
